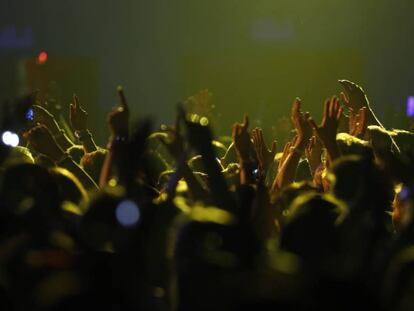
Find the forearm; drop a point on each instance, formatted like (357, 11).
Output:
(287, 172)
(60, 136)
(332, 150)
(246, 172)
(106, 170)
(76, 170)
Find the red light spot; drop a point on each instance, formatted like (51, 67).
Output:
(42, 58)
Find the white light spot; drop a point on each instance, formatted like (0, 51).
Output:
(10, 139)
(127, 213)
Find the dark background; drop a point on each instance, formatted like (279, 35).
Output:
(254, 56)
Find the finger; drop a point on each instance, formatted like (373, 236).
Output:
(339, 113)
(274, 147)
(296, 107)
(76, 101)
(245, 121)
(346, 84)
(235, 130)
(313, 124)
(122, 98)
(326, 111)
(332, 107)
(344, 98)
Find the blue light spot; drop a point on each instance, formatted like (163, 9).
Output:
(404, 193)
(127, 213)
(410, 106)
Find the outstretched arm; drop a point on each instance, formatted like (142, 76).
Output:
(79, 120)
(287, 171)
(43, 142)
(43, 116)
(242, 144)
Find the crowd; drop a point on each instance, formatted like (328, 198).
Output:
(177, 219)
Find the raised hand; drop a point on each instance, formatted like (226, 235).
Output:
(40, 138)
(328, 129)
(172, 138)
(358, 122)
(264, 155)
(241, 139)
(118, 118)
(286, 152)
(43, 116)
(77, 115)
(300, 121)
(313, 153)
(353, 96)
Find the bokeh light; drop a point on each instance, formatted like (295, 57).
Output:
(128, 213)
(10, 139)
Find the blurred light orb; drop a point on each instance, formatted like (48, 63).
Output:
(204, 121)
(127, 213)
(42, 57)
(10, 139)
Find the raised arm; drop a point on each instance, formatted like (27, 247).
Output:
(287, 171)
(43, 116)
(265, 156)
(79, 121)
(118, 121)
(328, 129)
(242, 145)
(43, 142)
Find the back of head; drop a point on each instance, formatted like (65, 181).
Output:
(311, 231)
(29, 192)
(349, 145)
(362, 185)
(69, 187)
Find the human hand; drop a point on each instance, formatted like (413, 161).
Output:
(42, 141)
(264, 155)
(300, 121)
(172, 138)
(354, 96)
(313, 153)
(43, 116)
(286, 152)
(327, 130)
(358, 122)
(78, 117)
(118, 118)
(241, 139)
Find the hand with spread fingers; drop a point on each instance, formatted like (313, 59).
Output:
(241, 139)
(43, 116)
(313, 153)
(328, 129)
(358, 122)
(300, 121)
(265, 156)
(353, 96)
(41, 140)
